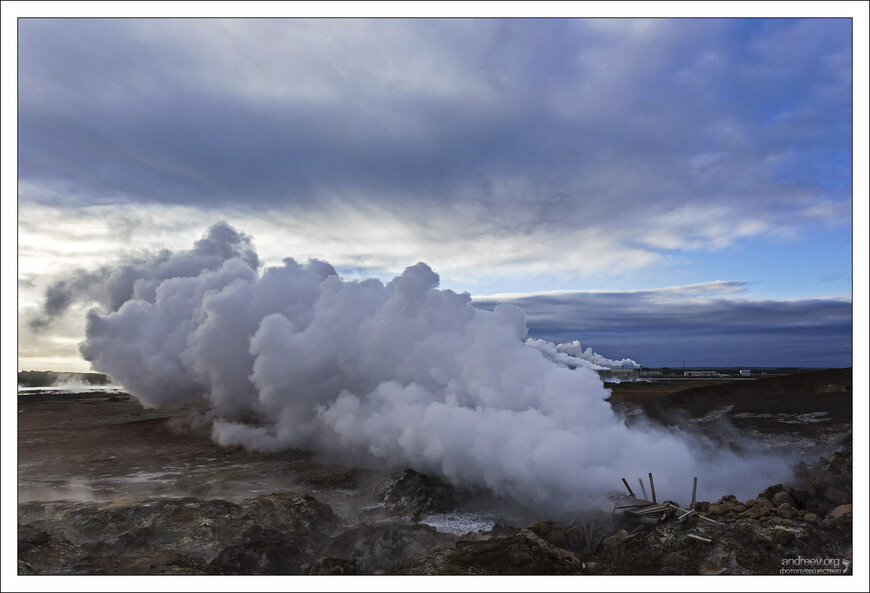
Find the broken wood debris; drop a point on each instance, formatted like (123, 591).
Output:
(708, 519)
(685, 516)
(700, 539)
(651, 512)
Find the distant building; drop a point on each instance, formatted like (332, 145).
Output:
(700, 373)
(619, 374)
(745, 373)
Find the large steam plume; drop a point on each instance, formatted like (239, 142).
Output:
(395, 374)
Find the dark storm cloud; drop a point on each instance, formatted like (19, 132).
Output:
(665, 327)
(554, 122)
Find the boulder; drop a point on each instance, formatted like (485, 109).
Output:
(550, 531)
(787, 511)
(801, 497)
(836, 496)
(783, 497)
(576, 537)
(844, 511)
(820, 478)
(413, 494)
(754, 512)
(770, 491)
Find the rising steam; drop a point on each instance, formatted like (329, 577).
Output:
(395, 374)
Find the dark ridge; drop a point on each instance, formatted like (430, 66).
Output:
(50, 378)
(796, 393)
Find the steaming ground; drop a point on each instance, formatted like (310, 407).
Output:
(380, 375)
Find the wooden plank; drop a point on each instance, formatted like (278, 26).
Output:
(685, 516)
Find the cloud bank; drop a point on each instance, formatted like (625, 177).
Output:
(385, 374)
(710, 324)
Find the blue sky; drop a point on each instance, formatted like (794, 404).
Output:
(631, 157)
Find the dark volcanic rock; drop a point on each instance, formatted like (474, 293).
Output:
(148, 563)
(333, 566)
(40, 552)
(290, 511)
(413, 494)
(187, 526)
(745, 547)
(264, 551)
(377, 549)
(60, 534)
(555, 533)
(521, 554)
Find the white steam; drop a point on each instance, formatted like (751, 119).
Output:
(396, 374)
(573, 356)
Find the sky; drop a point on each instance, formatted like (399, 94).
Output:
(674, 191)
(669, 190)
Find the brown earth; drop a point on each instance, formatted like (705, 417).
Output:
(809, 412)
(107, 487)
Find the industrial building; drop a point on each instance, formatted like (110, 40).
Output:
(700, 373)
(619, 374)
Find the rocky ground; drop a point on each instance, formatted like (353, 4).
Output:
(106, 487)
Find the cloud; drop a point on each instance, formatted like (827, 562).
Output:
(563, 152)
(557, 124)
(701, 324)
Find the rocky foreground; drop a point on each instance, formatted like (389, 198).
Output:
(805, 526)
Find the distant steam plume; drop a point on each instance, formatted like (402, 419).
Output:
(395, 374)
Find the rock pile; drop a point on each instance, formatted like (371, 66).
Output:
(811, 519)
(822, 495)
(291, 533)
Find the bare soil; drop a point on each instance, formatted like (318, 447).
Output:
(98, 459)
